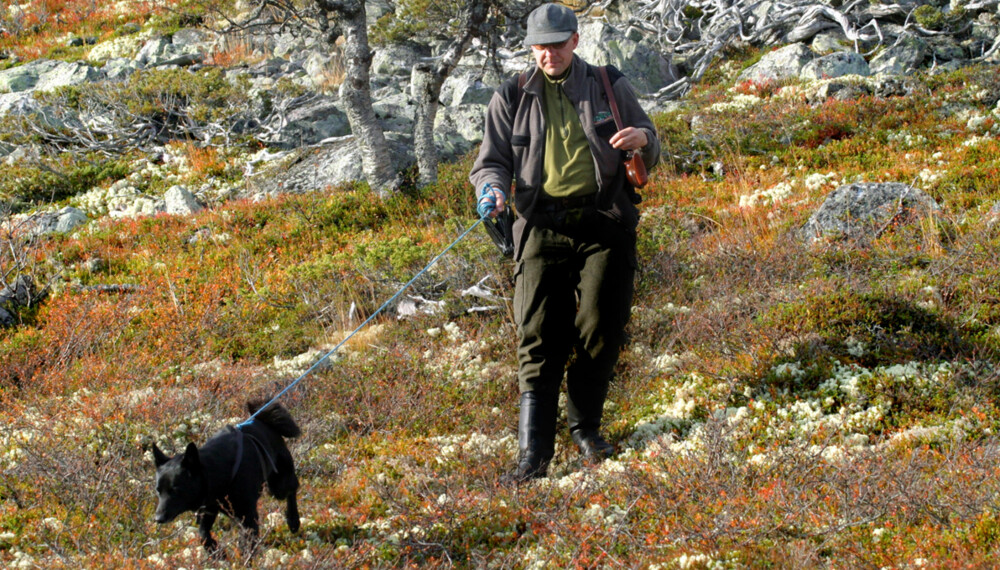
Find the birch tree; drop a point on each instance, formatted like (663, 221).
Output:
(333, 19)
(462, 22)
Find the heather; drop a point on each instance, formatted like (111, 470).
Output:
(780, 403)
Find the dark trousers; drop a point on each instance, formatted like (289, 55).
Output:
(573, 293)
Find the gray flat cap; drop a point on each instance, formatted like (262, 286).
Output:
(550, 24)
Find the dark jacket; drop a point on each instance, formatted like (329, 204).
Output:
(513, 146)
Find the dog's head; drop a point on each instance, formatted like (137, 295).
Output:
(180, 483)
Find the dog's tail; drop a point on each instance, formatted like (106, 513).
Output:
(276, 417)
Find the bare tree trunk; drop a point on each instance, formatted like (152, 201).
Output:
(425, 86)
(426, 80)
(376, 158)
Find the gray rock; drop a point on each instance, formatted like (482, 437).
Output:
(862, 211)
(68, 73)
(458, 129)
(296, 47)
(179, 201)
(21, 103)
(830, 42)
(46, 74)
(464, 89)
(152, 51)
(839, 90)
(335, 162)
(24, 77)
(645, 67)
(944, 48)
(310, 123)
(19, 293)
(120, 47)
(63, 221)
(193, 38)
(162, 51)
(395, 112)
(119, 68)
(907, 55)
(396, 60)
(68, 219)
(779, 64)
(835, 65)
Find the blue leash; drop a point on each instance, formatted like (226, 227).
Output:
(362, 325)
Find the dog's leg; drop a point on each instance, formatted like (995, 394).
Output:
(292, 512)
(251, 529)
(283, 485)
(205, 521)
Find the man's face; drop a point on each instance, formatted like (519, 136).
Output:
(554, 59)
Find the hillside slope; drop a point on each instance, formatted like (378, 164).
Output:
(781, 402)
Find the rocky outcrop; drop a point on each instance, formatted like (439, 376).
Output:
(835, 65)
(60, 221)
(863, 211)
(835, 52)
(784, 63)
(19, 293)
(46, 75)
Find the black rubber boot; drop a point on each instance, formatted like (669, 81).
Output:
(584, 410)
(536, 433)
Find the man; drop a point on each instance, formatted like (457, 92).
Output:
(555, 141)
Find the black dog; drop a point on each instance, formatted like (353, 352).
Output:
(228, 473)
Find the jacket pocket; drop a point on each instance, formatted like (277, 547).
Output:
(520, 140)
(606, 129)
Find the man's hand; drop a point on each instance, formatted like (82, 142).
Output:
(629, 138)
(491, 201)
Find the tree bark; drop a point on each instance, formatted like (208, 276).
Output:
(376, 158)
(425, 87)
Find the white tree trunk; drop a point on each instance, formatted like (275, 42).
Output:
(376, 158)
(425, 87)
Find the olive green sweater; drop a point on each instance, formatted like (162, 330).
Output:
(568, 166)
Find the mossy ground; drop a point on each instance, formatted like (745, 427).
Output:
(778, 405)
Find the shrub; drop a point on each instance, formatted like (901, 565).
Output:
(929, 17)
(893, 330)
(51, 180)
(157, 106)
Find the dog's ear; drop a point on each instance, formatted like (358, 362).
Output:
(159, 458)
(191, 461)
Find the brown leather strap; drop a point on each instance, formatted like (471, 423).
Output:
(611, 96)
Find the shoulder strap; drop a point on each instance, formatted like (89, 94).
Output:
(610, 92)
(521, 80)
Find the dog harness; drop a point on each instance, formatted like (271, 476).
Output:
(266, 461)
